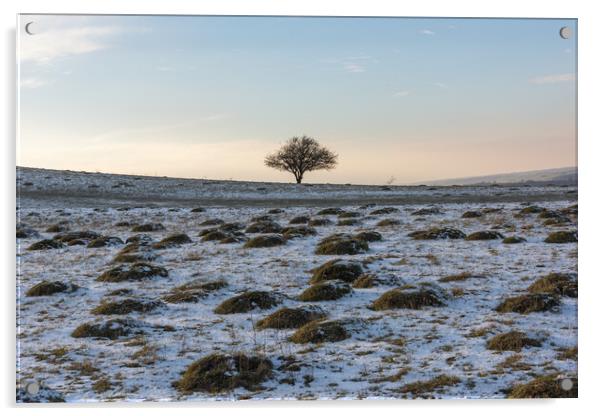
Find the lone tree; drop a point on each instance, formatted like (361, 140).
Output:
(302, 154)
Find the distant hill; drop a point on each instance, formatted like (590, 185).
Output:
(557, 176)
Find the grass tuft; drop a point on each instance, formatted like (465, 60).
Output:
(330, 290)
(544, 387)
(562, 237)
(248, 301)
(532, 302)
(337, 269)
(338, 244)
(511, 341)
(217, 373)
(317, 332)
(562, 284)
(288, 318)
(410, 298)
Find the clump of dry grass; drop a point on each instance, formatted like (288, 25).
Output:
(148, 227)
(207, 286)
(561, 237)
(532, 209)
(562, 284)
(412, 297)
(264, 227)
(338, 269)
(134, 257)
(460, 277)
(365, 281)
(191, 296)
(193, 291)
(105, 241)
(436, 384)
(438, 234)
(248, 301)
(288, 318)
(298, 231)
(213, 234)
(472, 214)
(46, 288)
(57, 228)
(513, 240)
(385, 211)
(138, 271)
(329, 290)
(316, 332)
(349, 214)
(111, 329)
(216, 373)
(457, 292)
(388, 222)
(174, 240)
(84, 368)
(511, 341)
(484, 235)
(24, 231)
(302, 219)
(330, 211)
(72, 236)
(369, 236)
(338, 244)
(568, 353)
(532, 302)
(319, 222)
(427, 211)
(102, 385)
(266, 240)
(544, 387)
(46, 245)
(125, 306)
(211, 222)
(480, 331)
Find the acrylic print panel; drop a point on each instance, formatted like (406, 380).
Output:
(228, 208)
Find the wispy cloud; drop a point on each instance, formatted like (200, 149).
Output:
(32, 82)
(553, 79)
(157, 131)
(353, 67)
(427, 32)
(403, 93)
(352, 64)
(57, 42)
(441, 85)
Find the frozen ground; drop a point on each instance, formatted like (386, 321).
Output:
(66, 188)
(386, 350)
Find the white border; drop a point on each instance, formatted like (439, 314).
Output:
(590, 30)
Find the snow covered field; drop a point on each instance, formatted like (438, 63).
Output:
(384, 353)
(66, 188)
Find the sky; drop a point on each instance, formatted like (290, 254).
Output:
(400, 100)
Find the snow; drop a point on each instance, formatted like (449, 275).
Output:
(436, 339)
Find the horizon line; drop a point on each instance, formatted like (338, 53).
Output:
(419, 183)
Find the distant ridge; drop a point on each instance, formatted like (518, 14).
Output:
(556, 176)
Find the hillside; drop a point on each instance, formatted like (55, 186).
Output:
(557, 176)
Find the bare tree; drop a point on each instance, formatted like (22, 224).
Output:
(301, 154)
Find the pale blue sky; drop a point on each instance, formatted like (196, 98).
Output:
(416, 99)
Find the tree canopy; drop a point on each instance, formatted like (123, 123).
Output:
(300, 155)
